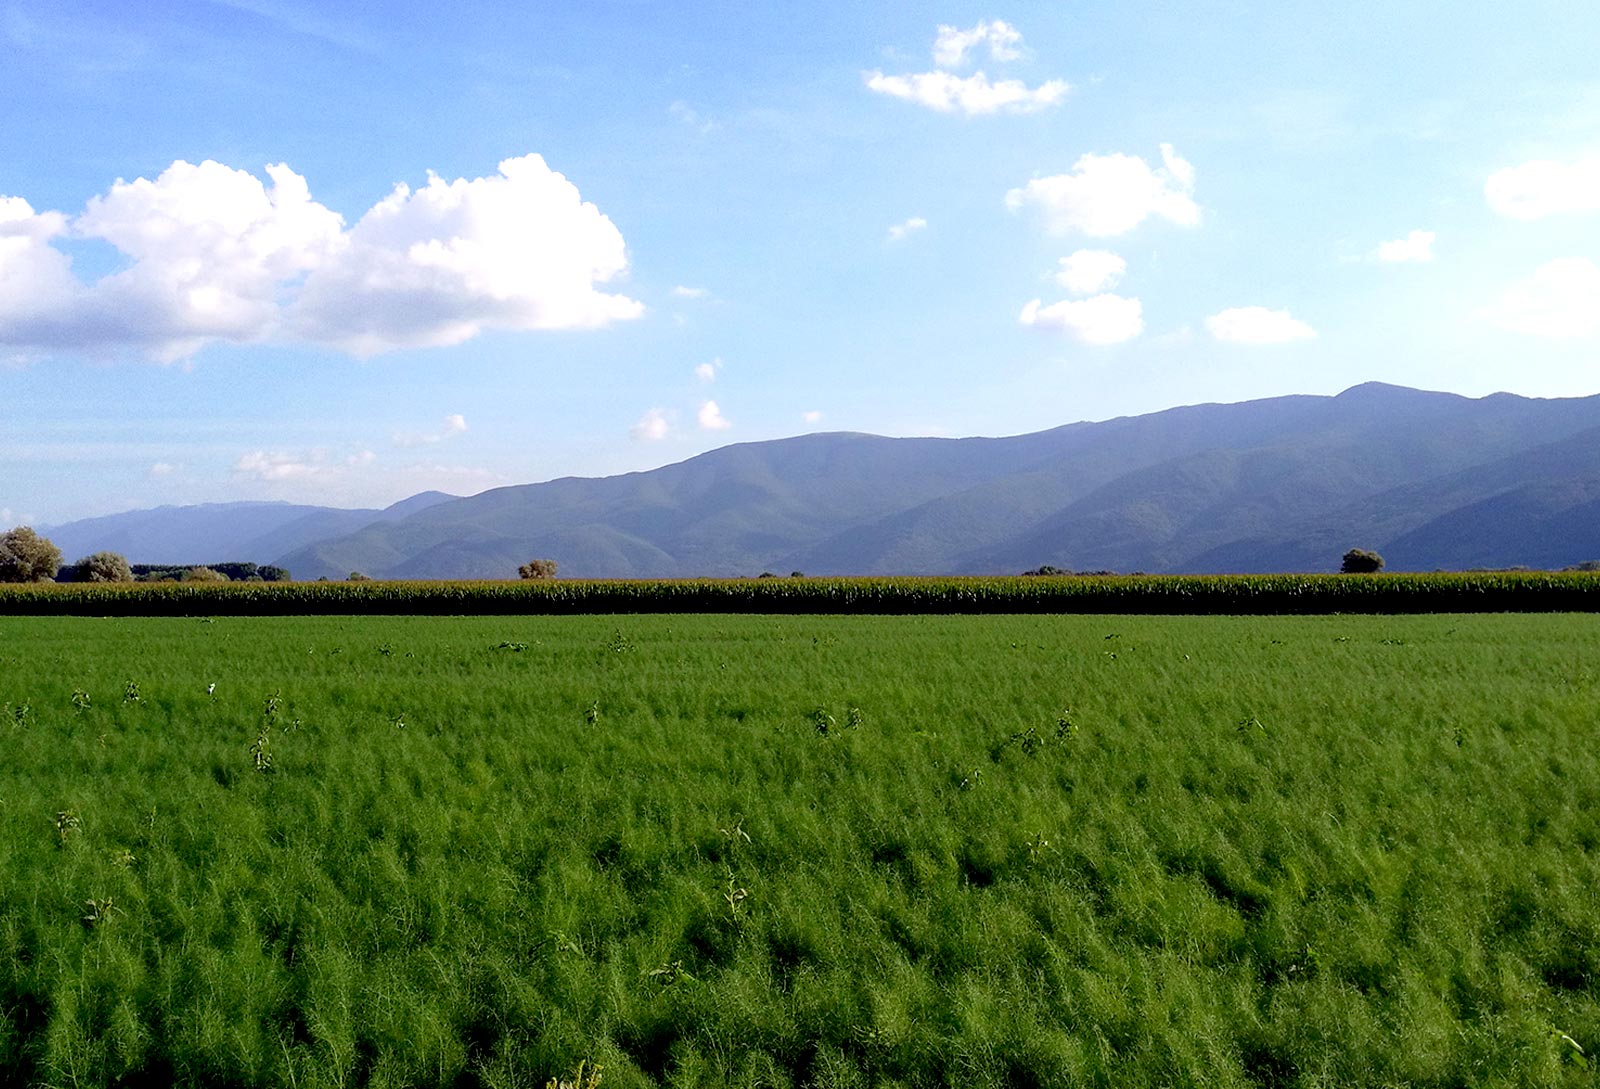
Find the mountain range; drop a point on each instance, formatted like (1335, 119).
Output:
(1429, 480)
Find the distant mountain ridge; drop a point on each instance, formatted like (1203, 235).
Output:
(257, 532)
(1284, 484)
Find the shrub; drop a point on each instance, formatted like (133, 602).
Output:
(357, 576)
(105, 567)
(27, 557)
(1361, 561)
(538, 569)
(203, 574)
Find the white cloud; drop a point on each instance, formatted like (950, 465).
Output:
(911, 226)
(711, 418)
(1088, 271)
(652, 426)
(707, 372)
(1416, 246)
(1257, 325)
(811, 417)
(216, 255)
(1103, 319)
(972, 95)
(163, 468)
(952, 44)
(439, 265)
(278, 466)
(681, 292)
(1544, 187)
(1560, 299)
(454, 424)
(1108, 195)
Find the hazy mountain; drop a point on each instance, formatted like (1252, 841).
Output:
(1286, 484)
(1428, 479)
(220, 532)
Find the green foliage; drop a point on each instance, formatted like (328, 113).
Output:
(27, 557)
(1306, 851)
(1484, 591)
(105, 567)
(538, 569)
(1360, 561)
(203, 574)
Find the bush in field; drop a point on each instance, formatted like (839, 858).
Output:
(1361, 561)
(538, 569)
(105, 567)
(271, 573)
(203, 574)
(27, 557)
(357, 576)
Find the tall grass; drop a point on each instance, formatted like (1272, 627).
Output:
(1527, 591)
(714, 850)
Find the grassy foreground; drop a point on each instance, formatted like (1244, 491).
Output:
(755, 850)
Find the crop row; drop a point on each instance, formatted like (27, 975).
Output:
(1150, 594)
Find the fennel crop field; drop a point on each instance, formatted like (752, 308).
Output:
(800, 850)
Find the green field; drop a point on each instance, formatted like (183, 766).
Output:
(802, 850)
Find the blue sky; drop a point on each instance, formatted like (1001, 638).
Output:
(341, 253)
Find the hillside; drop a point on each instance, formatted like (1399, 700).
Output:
(1428, 479)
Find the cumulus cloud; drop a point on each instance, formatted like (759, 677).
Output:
(214, 254)
(711, 418)
(1102, 319)
(1257, 325)
(811, 417)
(682, 292)
(1107, 195)
(438, 265)
(1561, 299)
(1089, 271)
(1416, 246)
(972, 95)
(976, 94)
(911, 226)
(653, 426)
(1545, 187)
(454, 425)
(707, 372)
(951, 46)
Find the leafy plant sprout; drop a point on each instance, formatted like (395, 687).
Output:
(821, 721)
(98, 912)
(592, 714)
(130, 692)
(68, 825)
(80, 701)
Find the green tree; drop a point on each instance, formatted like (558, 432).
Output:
(105, 567)
(27, 557)
(204, 574)
(1361, 561)
(538, 569)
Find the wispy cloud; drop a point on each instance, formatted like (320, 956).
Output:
(1561, 299)
(278, 465)
(1086, 272)
(1545, 187)
(1257, 325)
(946, 92)
(653, 426)
(454, 424)
(1414, 247)
(707, 372)
(909, 227)
(682, 292)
